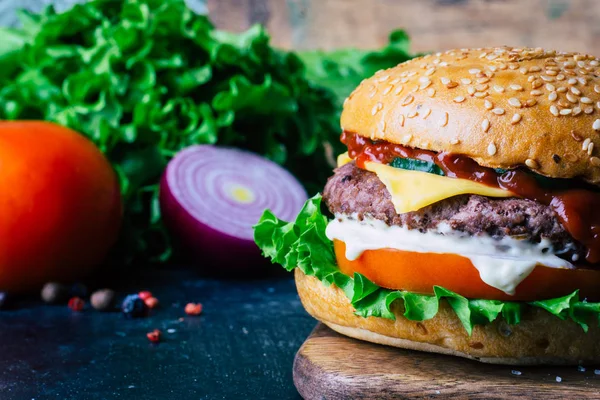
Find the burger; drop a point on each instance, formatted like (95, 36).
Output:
(464, 218)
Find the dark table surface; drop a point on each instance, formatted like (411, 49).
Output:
(241, 347)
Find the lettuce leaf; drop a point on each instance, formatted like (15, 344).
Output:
(303, 244)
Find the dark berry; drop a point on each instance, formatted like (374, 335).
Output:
(79, 290)
(134, 307)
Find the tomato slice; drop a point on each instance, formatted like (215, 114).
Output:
(419, 272)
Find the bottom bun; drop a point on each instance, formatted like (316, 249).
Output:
(540, 337)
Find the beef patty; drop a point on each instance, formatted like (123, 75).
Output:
(352, 190)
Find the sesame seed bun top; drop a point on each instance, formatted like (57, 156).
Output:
(504, 107)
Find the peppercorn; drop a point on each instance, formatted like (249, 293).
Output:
(134, 307)
(3, 299)
(151, 302)
(76, 303)
(154, 336)
(79, 290)
(103, 300)
(54, 292)
(193, 309)
(144, 295)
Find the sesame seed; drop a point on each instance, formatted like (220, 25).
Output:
(513, 101)
(454, 141)
(531, 163)
(523, 70)
(483, 80)
(426, 113)
(481, 94)
(499, 89)
(471, 90)
(406, 138)
(569, 64)
(414, 89)
(451, 85)
(572, 81)
(412, 114)
(535, 68)
(596, 125)
(423, 79)
(515, 119)
(531, 102)
(394, 81)
(583, 81)
(431, 92)
(481, 87)
(387, 89)
(575, 91)
(491, 149)
(488, 104)
(474, 71)
(536, 93)
(398, 90)
(597, 88)
(425, 85)
(590, 148)
(459, 99)
(550, 87)
(492, 68)
(551, 72)
(376, 108)
(465, 81)
(383, 78)
(445, 80)
(485, 125)
(444, 120)
(561, 89)
(572, 98)
(565, 111)
(588, 110)
(560, 77)
(586, 100)
(443, 64)
(585, 144)
(536, 83)
(430, 72)
(552, 96)
(498, 111)
(547, 78)
(595, 161)
(407, 100)
(381, 126)
(594, 63)
(576, 110)
(402, 119)
(554, 110)
(515, 87)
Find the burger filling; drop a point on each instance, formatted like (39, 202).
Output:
(507, 224)
(504, 239)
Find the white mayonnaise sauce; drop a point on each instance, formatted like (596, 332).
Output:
(502, 264)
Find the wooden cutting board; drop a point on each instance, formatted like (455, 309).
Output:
(331, 366)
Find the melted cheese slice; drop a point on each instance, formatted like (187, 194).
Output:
(413, 190)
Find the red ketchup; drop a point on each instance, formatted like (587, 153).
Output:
(578, 208)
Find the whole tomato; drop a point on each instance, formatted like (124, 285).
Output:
(60, 205)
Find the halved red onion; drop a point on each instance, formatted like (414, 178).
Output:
(212, 196)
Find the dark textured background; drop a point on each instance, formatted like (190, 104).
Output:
(433, 24)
